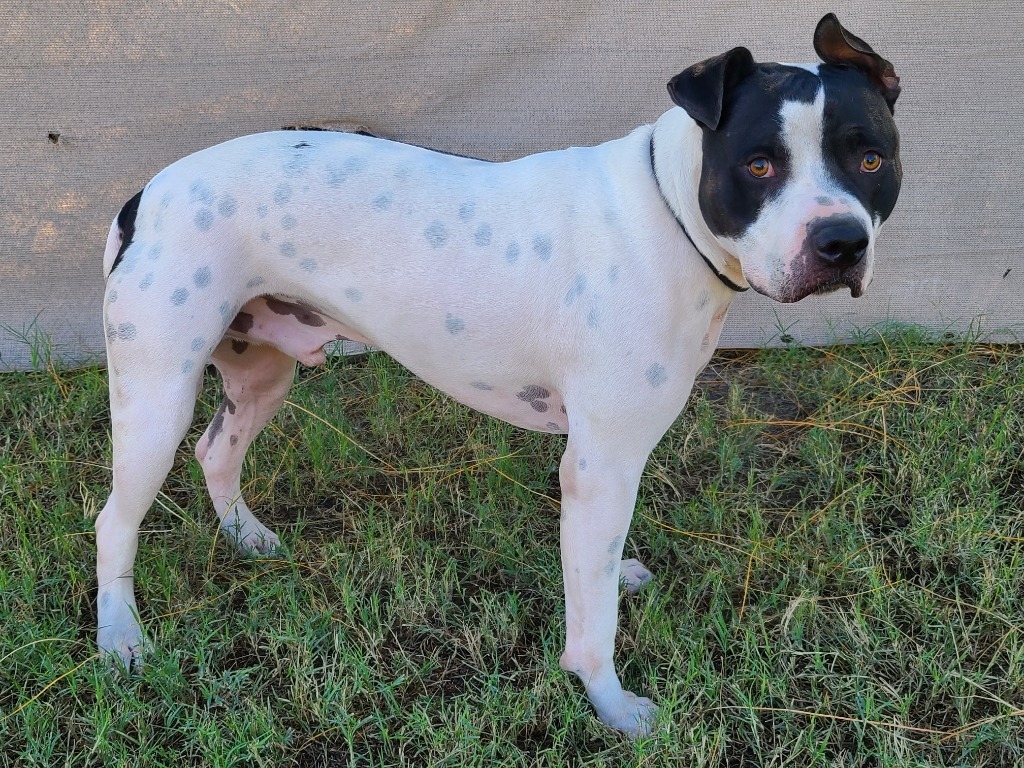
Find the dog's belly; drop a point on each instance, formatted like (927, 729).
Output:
(302, 332)
(532, 406)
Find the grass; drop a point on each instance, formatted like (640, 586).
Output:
(837, 539)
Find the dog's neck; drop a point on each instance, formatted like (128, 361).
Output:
(676, 163)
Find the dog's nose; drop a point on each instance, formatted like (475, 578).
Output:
(839, 244)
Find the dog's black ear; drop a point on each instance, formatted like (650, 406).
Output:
(836, 45)
(701, 89)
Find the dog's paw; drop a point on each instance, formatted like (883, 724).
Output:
(634, 576)
(633, 715)
(249, 536)
(123, 646)
(258, 543)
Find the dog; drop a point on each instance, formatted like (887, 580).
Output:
(576, 292)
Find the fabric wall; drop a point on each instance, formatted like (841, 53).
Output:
(97, 96)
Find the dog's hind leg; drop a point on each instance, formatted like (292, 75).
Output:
(256, 381)
(151, 410)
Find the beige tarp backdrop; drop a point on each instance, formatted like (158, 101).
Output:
(96, 97)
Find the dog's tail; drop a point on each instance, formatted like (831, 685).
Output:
(122, 230)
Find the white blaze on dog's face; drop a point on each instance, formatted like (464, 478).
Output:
(800, 164)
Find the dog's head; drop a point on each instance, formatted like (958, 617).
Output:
(800, 162)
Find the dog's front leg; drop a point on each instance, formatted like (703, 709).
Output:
(599, 485)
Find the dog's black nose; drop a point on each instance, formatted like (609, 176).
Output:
(839, 244)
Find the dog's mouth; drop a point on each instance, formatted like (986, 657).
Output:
(831, 286)
(792, 291)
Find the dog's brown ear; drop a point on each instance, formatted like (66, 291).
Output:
(701, 89)
(836, 45)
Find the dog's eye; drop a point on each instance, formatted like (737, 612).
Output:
(760, 168)
(872, 162)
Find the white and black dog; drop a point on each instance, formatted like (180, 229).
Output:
(576, 292)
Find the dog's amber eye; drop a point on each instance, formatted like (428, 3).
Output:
(760, 168)
(872, 162)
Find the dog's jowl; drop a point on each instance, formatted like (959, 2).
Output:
(513, 287)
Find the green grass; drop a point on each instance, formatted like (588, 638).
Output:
(837, 538)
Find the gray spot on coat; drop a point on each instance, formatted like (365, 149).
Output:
(261, 211)
(198, 343)
(482, 236)
(656, 375)
(254, 282)
(466, 210)
(227, 206)
(512, 252)
(454, 324)
(354, 294)
(436, 234)
(282, 194)
(287, 249)
(202, 277)
(579, 285)
(200, 192)
(336, 177)
(308, 265)
(297, 164)
(533, 392)
(112, 297)
(382, 201)
(179, 297)
(204, 219)
(126, 331)
(542, 247)
(147, 281)
(289, 222)
(482, 385)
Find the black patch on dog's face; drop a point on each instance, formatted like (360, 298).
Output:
(730, 197)
(856, 120)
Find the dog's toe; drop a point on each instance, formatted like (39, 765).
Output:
(124, 650)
